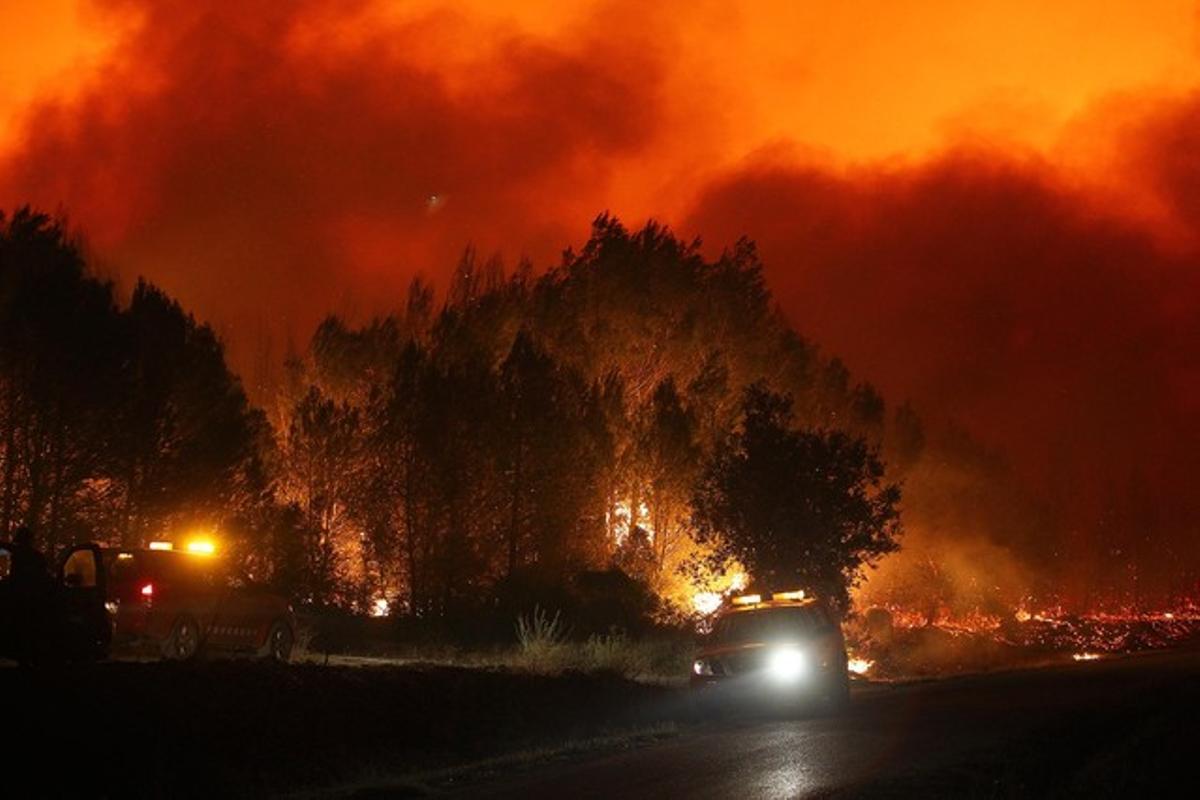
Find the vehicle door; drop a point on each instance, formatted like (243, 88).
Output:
(200, 594)
(87, 629)
(233, 627)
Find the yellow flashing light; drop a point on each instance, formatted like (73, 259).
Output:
(201, 547)
(776, 597)
(161, 546)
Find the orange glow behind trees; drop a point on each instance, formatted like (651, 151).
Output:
(987, 209)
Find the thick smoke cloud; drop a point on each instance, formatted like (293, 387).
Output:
(1051, 321)
(268, 160)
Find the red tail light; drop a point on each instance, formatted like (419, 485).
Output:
(148, 591)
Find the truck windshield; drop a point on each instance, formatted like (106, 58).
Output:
(769, 624)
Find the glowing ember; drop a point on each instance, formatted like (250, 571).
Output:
(380, 607)
(1022, 615)
(859, 666)
(706, 602)
(1085, 656)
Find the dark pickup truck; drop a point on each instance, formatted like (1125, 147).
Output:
(156, 602)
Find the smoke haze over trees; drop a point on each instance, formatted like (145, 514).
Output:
(529, 430)
(537, 427)
(639, 407)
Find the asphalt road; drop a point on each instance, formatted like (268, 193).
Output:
(1127, 727)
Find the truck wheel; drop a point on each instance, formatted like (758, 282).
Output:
(184, 642)
(279, 642)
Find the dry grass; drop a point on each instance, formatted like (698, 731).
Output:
(543, 646)
(650, 659)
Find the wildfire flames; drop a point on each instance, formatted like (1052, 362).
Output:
(859, 666)
(1025, 636)
(706, 603)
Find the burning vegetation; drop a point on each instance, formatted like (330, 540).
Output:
(536, 428)
(628, 437)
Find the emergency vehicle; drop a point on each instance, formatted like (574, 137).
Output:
(778, 651)
(157, 601)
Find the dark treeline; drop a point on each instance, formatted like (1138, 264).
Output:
(115, 422)
(522, 437)
(532, 428)
(519, 432)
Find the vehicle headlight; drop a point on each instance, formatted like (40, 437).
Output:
(702, 667)
(786, 663)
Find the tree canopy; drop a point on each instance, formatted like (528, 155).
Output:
(622, 409)
(536, 428)
(800, 508)
(116, 423)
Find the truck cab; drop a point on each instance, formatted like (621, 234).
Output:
(777, 650)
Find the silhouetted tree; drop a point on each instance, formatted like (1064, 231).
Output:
(670, 461)
(60, 355)
(321, 450)
(807, 508)
(114, 423)
(187, 440)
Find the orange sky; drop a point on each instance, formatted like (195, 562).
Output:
(931, 183)
(852, 79)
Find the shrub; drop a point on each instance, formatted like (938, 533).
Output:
(611, 651)
(541, 639)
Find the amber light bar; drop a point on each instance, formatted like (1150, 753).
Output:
(756, 599)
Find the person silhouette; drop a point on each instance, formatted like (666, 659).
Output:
(28, 570)
(30, 592)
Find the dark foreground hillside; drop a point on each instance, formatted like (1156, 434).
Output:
(249, 729)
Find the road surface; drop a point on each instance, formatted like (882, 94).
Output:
(1128, 727)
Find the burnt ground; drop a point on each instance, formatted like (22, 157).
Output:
(241, 728)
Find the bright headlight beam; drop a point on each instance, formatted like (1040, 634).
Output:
(786, 663)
